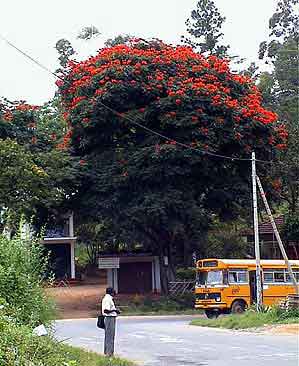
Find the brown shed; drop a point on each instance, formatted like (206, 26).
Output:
(130, 273)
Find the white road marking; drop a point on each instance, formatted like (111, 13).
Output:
(170, 340)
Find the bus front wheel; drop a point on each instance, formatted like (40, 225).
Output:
(238, 307)
(212, 314)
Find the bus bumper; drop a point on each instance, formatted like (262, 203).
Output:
(218, 305)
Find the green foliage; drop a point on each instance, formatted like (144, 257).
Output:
(162, 305)
(78, 357)
(88, 33)
(65, 51)
(185, 274)
(21, 178)
(22, 270)
(204, 27)
(120, 39)
(91, 235)
(280, 93)
(18, 346)
(291, 228)
(81, 256)
(251, 319)
(155, 192)
(35, 176)
(225, 241)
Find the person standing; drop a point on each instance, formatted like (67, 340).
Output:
(110, 313)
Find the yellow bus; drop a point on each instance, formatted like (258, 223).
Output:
(229, 285)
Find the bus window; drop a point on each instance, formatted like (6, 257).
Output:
(288, 277)
(268, 277)
(210, 278)
(279, 276)
(238, 276)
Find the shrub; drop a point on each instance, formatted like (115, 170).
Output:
(18, 346)
(291, 227)
(185, 274)
(21, 274)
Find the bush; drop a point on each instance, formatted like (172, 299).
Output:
(21, 274)
(163, 304)
(291, 227)
(24, 305)
(18, 346)
(185, 274)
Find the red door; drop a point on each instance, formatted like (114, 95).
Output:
(135, 278)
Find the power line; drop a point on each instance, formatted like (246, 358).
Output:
(153, 132)
(29, 57)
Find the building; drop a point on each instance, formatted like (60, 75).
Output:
(268, 243)
(60, 243)
(132, 273)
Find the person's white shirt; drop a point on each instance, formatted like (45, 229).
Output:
(108, 304)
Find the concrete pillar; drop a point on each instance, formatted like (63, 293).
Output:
(115, 279)
(157, 274)
(71, 225)
(73, 270)
(110, 277)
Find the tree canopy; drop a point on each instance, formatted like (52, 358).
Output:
(158, 192)
(204, 27)
(280, 89)
(34, 173)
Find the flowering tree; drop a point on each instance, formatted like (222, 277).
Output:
(153, 189)
(34, 172)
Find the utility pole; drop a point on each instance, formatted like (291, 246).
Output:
(259, 298)
(276, 232)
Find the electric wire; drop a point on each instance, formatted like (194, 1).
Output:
(149, 130)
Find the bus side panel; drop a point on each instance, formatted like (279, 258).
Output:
(234, 292)
(275, 293)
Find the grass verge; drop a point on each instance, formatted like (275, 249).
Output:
(162, 305)
(20, 347)
(250, 319)
(140, 312)
(79, 357)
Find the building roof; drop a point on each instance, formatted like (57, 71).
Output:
(266, 226)
(126, 254)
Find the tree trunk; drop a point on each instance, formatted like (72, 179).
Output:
(167, 272)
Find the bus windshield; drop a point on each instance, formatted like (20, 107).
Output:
(210, 278)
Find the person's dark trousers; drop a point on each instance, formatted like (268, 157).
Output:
(109, 335)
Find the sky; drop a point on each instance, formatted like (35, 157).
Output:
(35, 26)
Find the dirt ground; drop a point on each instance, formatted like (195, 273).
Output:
(78, 301)
(83, 301)
(284, 329)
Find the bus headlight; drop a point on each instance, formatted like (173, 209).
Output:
(218, 299)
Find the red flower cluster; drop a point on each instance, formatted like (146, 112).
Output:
(176, 76)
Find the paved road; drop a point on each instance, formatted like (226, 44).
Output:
(171, 341)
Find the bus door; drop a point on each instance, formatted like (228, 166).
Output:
(252, 284)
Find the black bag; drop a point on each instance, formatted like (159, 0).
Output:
(101, 322)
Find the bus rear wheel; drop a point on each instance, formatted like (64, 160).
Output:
(212, 314)
(238, 307)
